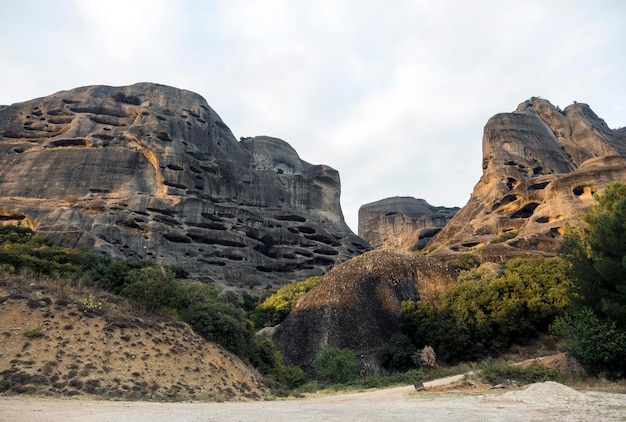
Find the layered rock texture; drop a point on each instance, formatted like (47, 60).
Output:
(150, 171)
(541, 167)
(403, 223)
(356, 305)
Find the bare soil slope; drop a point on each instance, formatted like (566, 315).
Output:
(58, 346)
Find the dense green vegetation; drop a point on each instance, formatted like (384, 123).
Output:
(488, 310)
(495, 372)
(335, 365)
(275, 308)
(595, 330)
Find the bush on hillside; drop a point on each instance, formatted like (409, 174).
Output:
(398, 354)
(595, 332)
(335, 365)
(274, 309)
(487, 312)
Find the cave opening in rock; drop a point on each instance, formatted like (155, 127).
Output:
(526, 211)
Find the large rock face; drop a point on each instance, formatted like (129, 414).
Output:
(403, 223)
(541, 167)
(356, 305)
(150, 171)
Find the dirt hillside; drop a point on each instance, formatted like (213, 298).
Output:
(55, 345)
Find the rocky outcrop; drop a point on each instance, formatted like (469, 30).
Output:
(403, 223)
(356, 305)
(541, 167)
(150, 171)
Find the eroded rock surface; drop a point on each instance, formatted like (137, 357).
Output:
(150, 171)
(541, 167)
(403, 223)
(356, 305)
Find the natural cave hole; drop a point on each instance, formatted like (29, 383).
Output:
(470, 244)
(291, 217)
(326, 251)
(508, 199)
(307, 230)
(578, 190)
(526, 211)
(511, 183)
(542, 220)
(69, 143)
(537, 170)
(176, 238)
(538, 186)
(216, 263)
(555, 232)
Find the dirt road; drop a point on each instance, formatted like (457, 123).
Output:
(545, 401)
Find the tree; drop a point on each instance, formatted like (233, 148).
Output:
(397, 355)
(598, 345)
(597, 254)
(152, 287)
(595, 332)
(335, 365)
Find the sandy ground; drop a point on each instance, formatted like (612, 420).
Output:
(544, 401)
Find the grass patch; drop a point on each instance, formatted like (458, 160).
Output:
(496, 372)
(504, 237)
(34, 332)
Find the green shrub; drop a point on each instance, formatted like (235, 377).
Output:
(335, 365)
(152, 287)
(397, 355)
(273, 310)
(466, 261)
(290, 376)
(5, 385)
(598, 345)
(504, 237)
(595, 332)
(487, 311)
(114, 276)
(221, 323)
(503, 373)
(34, 332)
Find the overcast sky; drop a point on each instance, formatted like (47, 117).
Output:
(393, 94)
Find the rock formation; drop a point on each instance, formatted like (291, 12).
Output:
(541, 167)
(403, 223)
(356, 305)
(150, 171)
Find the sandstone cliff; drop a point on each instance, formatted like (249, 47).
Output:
(403, 223)
(541, 167)
(356, 305)
(150, 171)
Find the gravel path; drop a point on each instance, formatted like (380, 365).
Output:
(544, 401)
